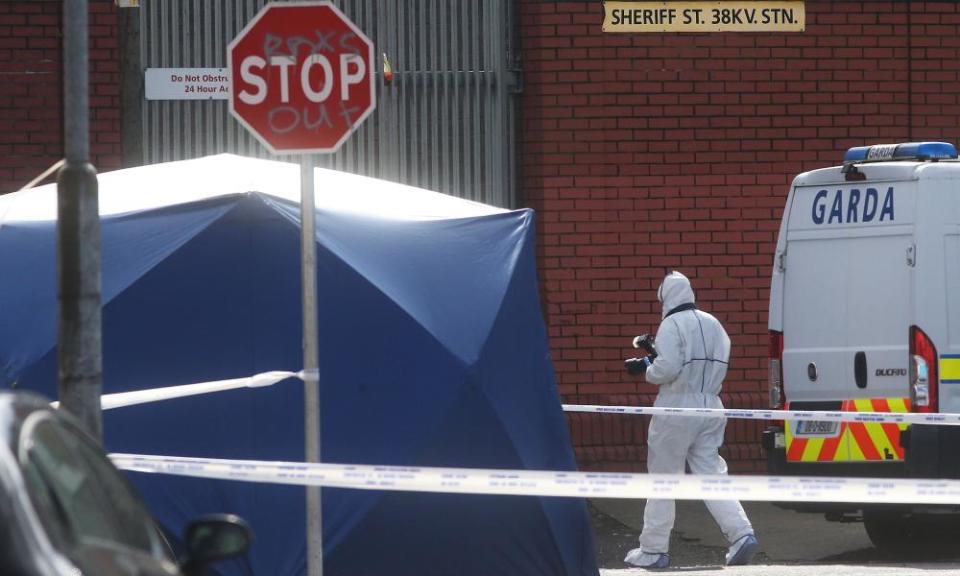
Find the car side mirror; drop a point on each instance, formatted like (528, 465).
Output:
(211, 538)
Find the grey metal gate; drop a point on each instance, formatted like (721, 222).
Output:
(445, 123)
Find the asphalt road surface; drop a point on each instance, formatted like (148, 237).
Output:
(792, 544)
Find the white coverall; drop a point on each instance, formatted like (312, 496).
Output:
(693, 350)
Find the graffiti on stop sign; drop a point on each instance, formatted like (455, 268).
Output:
(302, 77)
(304, 62)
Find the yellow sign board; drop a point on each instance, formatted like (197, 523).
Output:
(724, 16)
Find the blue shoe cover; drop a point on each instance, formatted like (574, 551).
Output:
(743, 551)
(638, 557)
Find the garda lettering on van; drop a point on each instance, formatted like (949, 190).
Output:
(852, 206)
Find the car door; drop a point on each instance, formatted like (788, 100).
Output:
(86, 506)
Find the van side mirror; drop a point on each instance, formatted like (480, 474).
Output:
(211, 538)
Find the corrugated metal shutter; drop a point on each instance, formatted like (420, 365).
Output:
(446, 123)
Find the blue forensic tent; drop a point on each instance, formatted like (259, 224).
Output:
(432, 352)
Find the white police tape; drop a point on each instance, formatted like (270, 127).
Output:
(948, 419)
(560, 484)
(121, 399)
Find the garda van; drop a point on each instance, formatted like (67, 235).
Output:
(865, 316)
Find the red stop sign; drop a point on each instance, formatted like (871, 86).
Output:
(301, 77)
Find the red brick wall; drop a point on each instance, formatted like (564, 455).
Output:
(31, 97)
(646, 152)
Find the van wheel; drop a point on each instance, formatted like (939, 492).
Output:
(898, 532)
(891, 530)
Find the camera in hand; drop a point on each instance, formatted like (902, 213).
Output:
(638, 366)
(645, 342)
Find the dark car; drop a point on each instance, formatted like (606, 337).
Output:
(66, 510)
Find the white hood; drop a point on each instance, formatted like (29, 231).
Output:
(674, 291)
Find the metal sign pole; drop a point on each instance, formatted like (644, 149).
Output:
(311, 362)
(256, 96)
(78, 237)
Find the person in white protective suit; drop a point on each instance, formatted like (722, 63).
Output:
(690, 362)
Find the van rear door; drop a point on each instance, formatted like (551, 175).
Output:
(846, 314)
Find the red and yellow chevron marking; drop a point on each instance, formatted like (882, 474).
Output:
(855, 441)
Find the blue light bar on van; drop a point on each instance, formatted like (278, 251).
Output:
(906, 151)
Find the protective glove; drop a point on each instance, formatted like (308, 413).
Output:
(637, 366)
